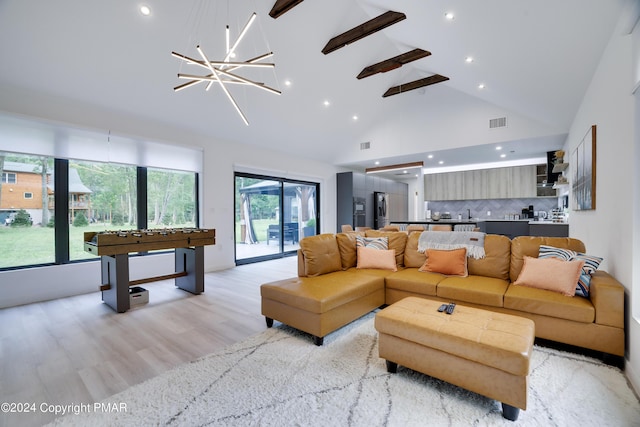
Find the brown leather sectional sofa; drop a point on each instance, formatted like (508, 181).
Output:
(330, 291)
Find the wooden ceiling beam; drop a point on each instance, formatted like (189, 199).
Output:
(283, 6)
(393, 63)
(363, 30)
(390, 168)
(416, 84)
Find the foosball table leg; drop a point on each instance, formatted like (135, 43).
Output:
(190, 261)
(115, 273)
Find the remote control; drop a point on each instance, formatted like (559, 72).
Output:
(451, 307)
(443, 307)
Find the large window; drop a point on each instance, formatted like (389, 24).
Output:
(26, 234)
(84, 180)
(101, 196)
(171, 199)
(272, 215)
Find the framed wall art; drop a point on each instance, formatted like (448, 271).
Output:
(583, 177)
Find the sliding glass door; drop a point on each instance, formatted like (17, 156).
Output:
(271, 216)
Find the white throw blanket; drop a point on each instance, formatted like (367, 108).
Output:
(473, 241)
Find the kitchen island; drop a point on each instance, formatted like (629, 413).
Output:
(506, 227)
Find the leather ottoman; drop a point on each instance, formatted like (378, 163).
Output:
(481, 351)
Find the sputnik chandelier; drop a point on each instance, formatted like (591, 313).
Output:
(223, 72)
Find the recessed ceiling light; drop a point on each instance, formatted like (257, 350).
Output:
(430, 156)
(355, 117)
(405, 171)
(377, 162)
(326, 103)
(468, 59)
(481, 86)
(499, 148)
(145, 10)
(449, 16)
(287, 82)
(441, 162)
(502, 156)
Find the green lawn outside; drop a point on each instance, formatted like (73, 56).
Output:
(20, 246)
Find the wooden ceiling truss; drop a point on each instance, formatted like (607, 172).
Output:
(416, 84)
(363, 30)
(366, 29)
(393, 63)
(283, 6)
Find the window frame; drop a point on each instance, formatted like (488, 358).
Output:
(61, 212)
(6, 180)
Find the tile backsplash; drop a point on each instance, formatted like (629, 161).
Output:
(497, 207)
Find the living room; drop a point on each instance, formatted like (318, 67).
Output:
(37, 86)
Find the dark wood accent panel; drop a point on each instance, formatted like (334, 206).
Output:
(283, 6)
(393, 63)
(416, 84)
(363, 30)
(393, 167)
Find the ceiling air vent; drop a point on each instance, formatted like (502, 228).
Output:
(365, 145)
(500, 122)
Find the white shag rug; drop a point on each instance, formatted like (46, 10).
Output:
(280, 378)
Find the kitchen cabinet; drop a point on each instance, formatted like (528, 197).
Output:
(496, 183)
(543, 187)
(548, 229)
(353, 186)
(510, 229)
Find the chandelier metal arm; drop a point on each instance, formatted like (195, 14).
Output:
(249, 82)
(242, 33)
(221, 71)
(224, 88)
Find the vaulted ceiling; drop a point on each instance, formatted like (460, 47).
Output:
(535, 60)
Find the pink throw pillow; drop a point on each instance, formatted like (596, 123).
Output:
(377, 258)
(552, 274)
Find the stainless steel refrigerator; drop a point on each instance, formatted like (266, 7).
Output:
(380, 209)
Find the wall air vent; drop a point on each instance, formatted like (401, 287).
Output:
(500, 122)
(365, 145)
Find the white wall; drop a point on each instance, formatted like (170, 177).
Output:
(217, 194)
(607, 230)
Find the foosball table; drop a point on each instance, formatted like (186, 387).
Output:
(114, 248)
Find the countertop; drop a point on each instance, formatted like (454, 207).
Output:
(547, 222)
(477, 220)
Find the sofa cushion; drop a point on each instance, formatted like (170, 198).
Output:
(347, 247)
(414, 281)
(413, 258)
(552, 274)
(377, 258)
(474, 289)
(549, 303)
(448, 262)
(522, 246)
(497, 258)
(320, 294)
(397, 241)
(321, 254)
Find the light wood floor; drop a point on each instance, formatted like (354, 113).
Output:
(78, 350)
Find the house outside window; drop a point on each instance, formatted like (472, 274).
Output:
(9, 178)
